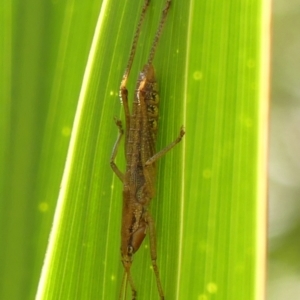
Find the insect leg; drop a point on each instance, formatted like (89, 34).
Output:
(162, 152)
(122, 295)
(132, 286)
(127, 277)
(152, 238)
(115, 151)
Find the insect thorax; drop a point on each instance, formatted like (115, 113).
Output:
(148, 86)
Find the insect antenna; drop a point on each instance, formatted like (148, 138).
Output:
(134, 43)
(158, 32)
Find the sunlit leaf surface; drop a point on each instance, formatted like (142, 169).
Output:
(211, 196)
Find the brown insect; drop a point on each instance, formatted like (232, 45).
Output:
(139, 177)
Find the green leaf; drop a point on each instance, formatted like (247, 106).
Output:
(44, 51)
(209, 210)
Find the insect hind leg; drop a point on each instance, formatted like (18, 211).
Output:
(152, 238)
(127, 278)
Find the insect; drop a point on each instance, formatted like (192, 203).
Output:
(138, 179)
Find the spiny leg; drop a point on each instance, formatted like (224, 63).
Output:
(162, 152)
(152, 238)
(115, 151)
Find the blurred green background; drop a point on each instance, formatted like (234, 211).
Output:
(30, 83)
(284, 163)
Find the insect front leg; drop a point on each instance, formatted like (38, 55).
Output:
(124, 101)
(162, 152)
(152, 238)
(115, 151)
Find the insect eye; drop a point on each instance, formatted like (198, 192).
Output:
(130, 250)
